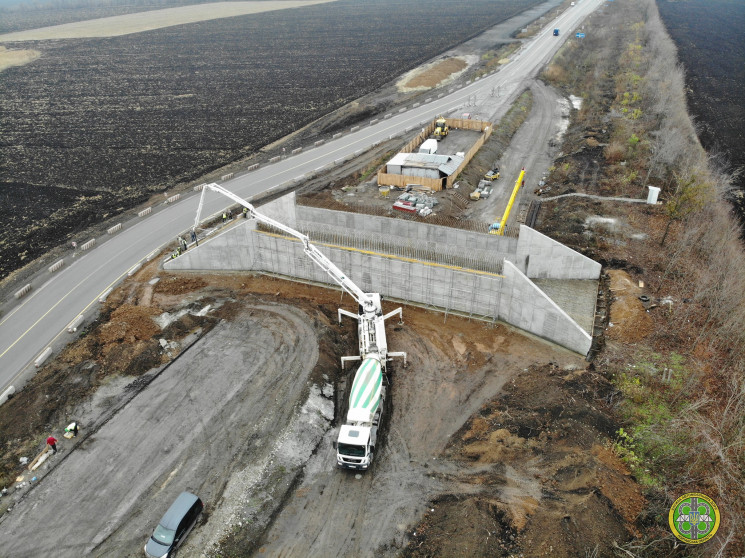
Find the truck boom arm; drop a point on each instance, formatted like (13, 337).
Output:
(362, 298)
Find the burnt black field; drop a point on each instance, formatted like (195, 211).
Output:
(95, 126)
(710, 36)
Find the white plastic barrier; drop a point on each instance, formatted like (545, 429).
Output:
(145, 211)
(354, 128)
(336, 136)
(274, 159)
(105, 295)
(114, 229)
(23, 291)
(135, 268)
(88, 244)
(387, 116)
(373, 121)
(199, 187)
(296, 150)
(6, 394)
(56, 265)
(73, 326)
(228, 176)
(253, 167)
(319, 142)
(42, 357)
(402, 110)
(173, 198)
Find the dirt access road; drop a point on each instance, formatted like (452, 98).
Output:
(197, 421)
(244, 418)
(533, 148)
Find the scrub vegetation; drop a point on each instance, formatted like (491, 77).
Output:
(679, 378)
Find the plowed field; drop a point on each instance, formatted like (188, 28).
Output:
(95, 126)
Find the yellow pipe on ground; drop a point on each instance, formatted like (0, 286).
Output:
(503, 222)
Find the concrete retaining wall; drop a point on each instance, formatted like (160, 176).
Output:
(526, 306)
(533, 253)
(430, 237)
(512, 298)
(546, 258)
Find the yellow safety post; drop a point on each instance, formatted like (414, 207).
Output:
(503, 222)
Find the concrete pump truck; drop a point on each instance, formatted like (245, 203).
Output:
(355, 447)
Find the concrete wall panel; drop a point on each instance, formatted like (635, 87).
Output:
(529, 308)
(282, 209)
(513, 297)
(549, 259)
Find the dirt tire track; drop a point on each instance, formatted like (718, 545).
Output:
(121, 480)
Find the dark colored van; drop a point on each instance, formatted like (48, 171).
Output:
(175, 525)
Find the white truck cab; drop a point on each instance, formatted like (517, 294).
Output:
(355, 447)
(353, 450)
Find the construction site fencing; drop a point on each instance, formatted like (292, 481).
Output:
(487, 130)
(419, 138)
(437, 184)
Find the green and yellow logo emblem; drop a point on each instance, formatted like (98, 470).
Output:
(694, 518)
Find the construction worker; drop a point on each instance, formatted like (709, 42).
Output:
(72, 427)
(224, 217)
(52, 443)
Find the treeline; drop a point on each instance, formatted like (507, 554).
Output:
(683, 385)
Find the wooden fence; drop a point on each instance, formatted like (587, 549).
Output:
(437, 184)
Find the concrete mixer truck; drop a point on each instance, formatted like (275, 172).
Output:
(358, 436)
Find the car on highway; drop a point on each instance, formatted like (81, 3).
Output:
(175, 525)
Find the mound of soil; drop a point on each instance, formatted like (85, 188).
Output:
(538, 475)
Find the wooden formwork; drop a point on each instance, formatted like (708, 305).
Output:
(437, 184)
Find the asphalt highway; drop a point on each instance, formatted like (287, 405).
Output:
(40, 320)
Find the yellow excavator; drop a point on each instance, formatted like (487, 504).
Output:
(441, 128)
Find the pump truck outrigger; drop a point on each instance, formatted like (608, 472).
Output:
(355, 448)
